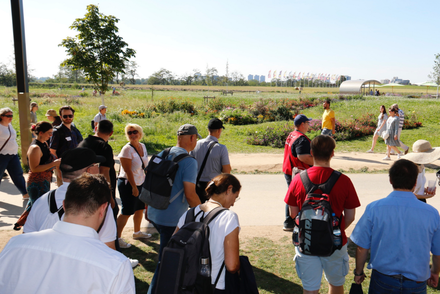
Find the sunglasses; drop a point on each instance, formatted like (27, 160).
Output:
(68, 116)
(135, 132)
(8, 115)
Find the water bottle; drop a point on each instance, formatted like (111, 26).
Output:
(335, 221)
(205, 270)
(337, 237)
(295, 236)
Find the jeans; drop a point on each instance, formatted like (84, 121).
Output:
(288, 223)
(165, 233)
(327, 132)
(12, 164)
(381, 283)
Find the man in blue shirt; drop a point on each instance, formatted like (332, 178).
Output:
(400, 231)
(165, 221)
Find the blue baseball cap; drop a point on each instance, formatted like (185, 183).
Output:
(300, 118)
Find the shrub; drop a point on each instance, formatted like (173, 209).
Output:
(237, 117)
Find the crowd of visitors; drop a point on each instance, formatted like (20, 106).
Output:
(73, 223)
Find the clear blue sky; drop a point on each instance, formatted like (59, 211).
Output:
(366, 40)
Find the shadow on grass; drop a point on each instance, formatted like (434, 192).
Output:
(274, 284)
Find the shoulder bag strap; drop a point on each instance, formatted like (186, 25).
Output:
(219, 274)
(53, 204)
(202, 167)
(143, 165)
(10, 134)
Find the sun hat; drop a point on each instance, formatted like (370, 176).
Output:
(299, 119)
(79, 158)
(423, 153)
(51, 112)
(188, 129)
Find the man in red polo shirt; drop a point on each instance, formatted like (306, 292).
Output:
(343, 201)
(296, 157)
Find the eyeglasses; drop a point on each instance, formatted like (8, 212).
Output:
(68, 116)
(135, 132)
(8, 115)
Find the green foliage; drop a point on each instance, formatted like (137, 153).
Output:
(237, 117)
(97, 49)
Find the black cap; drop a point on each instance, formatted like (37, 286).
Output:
(215, 124)
(79, 158)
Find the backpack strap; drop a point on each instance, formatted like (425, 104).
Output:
(212, 214)
(191, 215)
(53, 204)
(202, 167)
(178, 158)
(325, 187)
(219, 274)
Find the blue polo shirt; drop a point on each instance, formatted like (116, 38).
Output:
(400, 232)
(187, 172)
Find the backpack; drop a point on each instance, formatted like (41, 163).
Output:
(159, 180)
(179, 269)
(316, 218)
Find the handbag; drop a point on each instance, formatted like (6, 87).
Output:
(385, 134)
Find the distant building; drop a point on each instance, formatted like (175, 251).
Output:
(262, 79)
(405, 82)
(386, 81)
(257, 77)
(396, 80)
(347, 78)
(250, 77)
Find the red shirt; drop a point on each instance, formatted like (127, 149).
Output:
(342, 196)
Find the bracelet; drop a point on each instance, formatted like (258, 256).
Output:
(358, 275)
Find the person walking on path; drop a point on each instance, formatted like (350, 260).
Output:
(381, 127)
(101, 115)
(343, 200)
(9, 152)
(216, 154)
(328, 120)
(393, 139)
(401, 116)
(411, 226)
(296, 157)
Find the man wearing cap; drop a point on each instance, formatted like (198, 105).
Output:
(73, 164)
(400, 232)
(165, 221)
(68, 258)
(401, 122)
(216, 154)
(296, 157)
(101, 115)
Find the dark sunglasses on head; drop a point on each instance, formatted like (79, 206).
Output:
(8, 115)
(132, 132)
(68, 116)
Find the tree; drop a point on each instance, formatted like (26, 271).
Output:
(7, 76)
(97, 49)
(161, 77)
(435, 74)
(131, 71)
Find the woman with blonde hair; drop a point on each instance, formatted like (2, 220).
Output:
(134, 160)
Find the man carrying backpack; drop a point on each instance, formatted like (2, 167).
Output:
(343, 200)
(165, 220)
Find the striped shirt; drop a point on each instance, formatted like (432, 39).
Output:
(402, 118)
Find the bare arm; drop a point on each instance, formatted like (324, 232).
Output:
(34, 154)
(54, 152)
(226, 169)
(190, 193)
(231, 245)
(126, 164)
(361, 258)
(306, 158)
(435, 269)
(333, 120)
(111, 245)
(293, 210)
(349, 215)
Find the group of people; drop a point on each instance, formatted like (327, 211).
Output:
(87, 165)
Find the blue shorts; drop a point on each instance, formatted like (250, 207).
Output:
(309, 268)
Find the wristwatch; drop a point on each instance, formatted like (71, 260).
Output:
(358, 275)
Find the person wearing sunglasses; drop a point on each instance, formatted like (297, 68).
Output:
(134, 159)
(9, 152)
(65, 136)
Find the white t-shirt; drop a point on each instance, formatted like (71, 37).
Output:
(420, 186)
(66, 259)
(136, 164)
(11, 147)
(219, 228)
(40, 217)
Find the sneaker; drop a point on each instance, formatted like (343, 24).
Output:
(386, 158)
(134, 262)
(141, 235)
(392, 153)
(370, 151)
(399, 155)
(123, 244)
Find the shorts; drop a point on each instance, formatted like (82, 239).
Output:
(130, 204)
(309, 268)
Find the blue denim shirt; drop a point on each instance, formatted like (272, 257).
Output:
(400, 232)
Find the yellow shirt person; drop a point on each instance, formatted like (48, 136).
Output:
(328, 120)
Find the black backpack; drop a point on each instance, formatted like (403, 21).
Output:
(316, 218)
(159, 180)
(181, 258)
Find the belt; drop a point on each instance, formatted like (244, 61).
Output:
(399, 277)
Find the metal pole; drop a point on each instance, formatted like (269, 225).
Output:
(22, 76)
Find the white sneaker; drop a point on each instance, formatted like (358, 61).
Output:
(123, 244)
(134, 262)
(141, 235)
(370, 151)
(386, 158)
(399, 155)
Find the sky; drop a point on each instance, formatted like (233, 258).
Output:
(365, 40)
